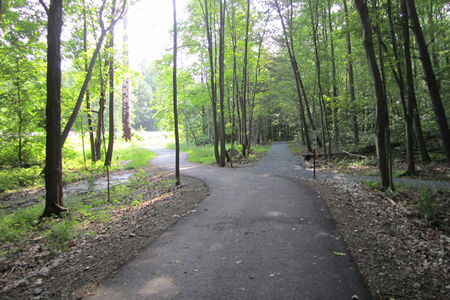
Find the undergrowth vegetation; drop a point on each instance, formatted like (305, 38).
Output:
(205, 154)
(76, 165)
(56, 235)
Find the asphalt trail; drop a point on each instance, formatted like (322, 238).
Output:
(256, 236)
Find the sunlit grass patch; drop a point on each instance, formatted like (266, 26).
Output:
(134, 155)
(205, 154)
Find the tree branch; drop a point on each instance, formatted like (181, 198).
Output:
(44, 5)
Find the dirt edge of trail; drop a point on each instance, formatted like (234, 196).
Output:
(397, 253)
(93, 258)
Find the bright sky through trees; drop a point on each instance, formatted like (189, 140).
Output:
(149, 26)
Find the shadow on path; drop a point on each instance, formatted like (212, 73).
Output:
(256, 236)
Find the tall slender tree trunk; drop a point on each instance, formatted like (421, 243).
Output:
(235, 88)
(411, 94)
(88, 101)
(126, 107)
(334, 81)
(109, 152)
(213, 84)
(87, 79)
(323, 112)
(221, 81)
(244, 87)
(381, 125)
(298, 82)
(351, 80)
(383, 81)
(398, 74)
(433, 87)
(175, 109)
(101, 113)
(19, 112)
(54, 201)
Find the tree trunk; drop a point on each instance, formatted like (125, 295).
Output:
(412, 102)
(433, 88)
(381, 125)
(175, 109)
(323, 110)
(334, 80)
(221, 81)
(109, 152)
(244, 88)
(88, 101)
(54, 201)
(101, 113)
(87, 79)
(298, 82)
(351, 80)
(400, 81)
(213, 84)
(126, 107)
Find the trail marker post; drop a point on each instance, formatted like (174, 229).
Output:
(314, 152)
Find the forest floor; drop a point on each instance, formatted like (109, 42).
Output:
(102, 247)
(399, 239)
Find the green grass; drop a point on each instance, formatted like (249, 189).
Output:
(137, 156)
(23, 224)
(125, 156)
(205, 154)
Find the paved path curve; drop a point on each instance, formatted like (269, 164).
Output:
(256, 236)
(280, 161)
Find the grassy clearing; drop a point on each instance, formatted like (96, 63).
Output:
(205, 154)
(126, 156)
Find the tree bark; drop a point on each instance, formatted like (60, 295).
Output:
(109, 152)
(407, 115)
(101, 113)
(323, 110)
(175, 109)
(126, 107)
(221, 81)
(351, 80)
(87, 79)
(54, 201)
(213, 84)
(433, 87)
(88, 101)
(244, 87)
(298, 83)
(411, 94)
(381, 125)
(334, 81)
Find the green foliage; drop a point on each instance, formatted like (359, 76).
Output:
(16, 225)
(426, 206)
(19, 178)
(136, 155)
(199, 154)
